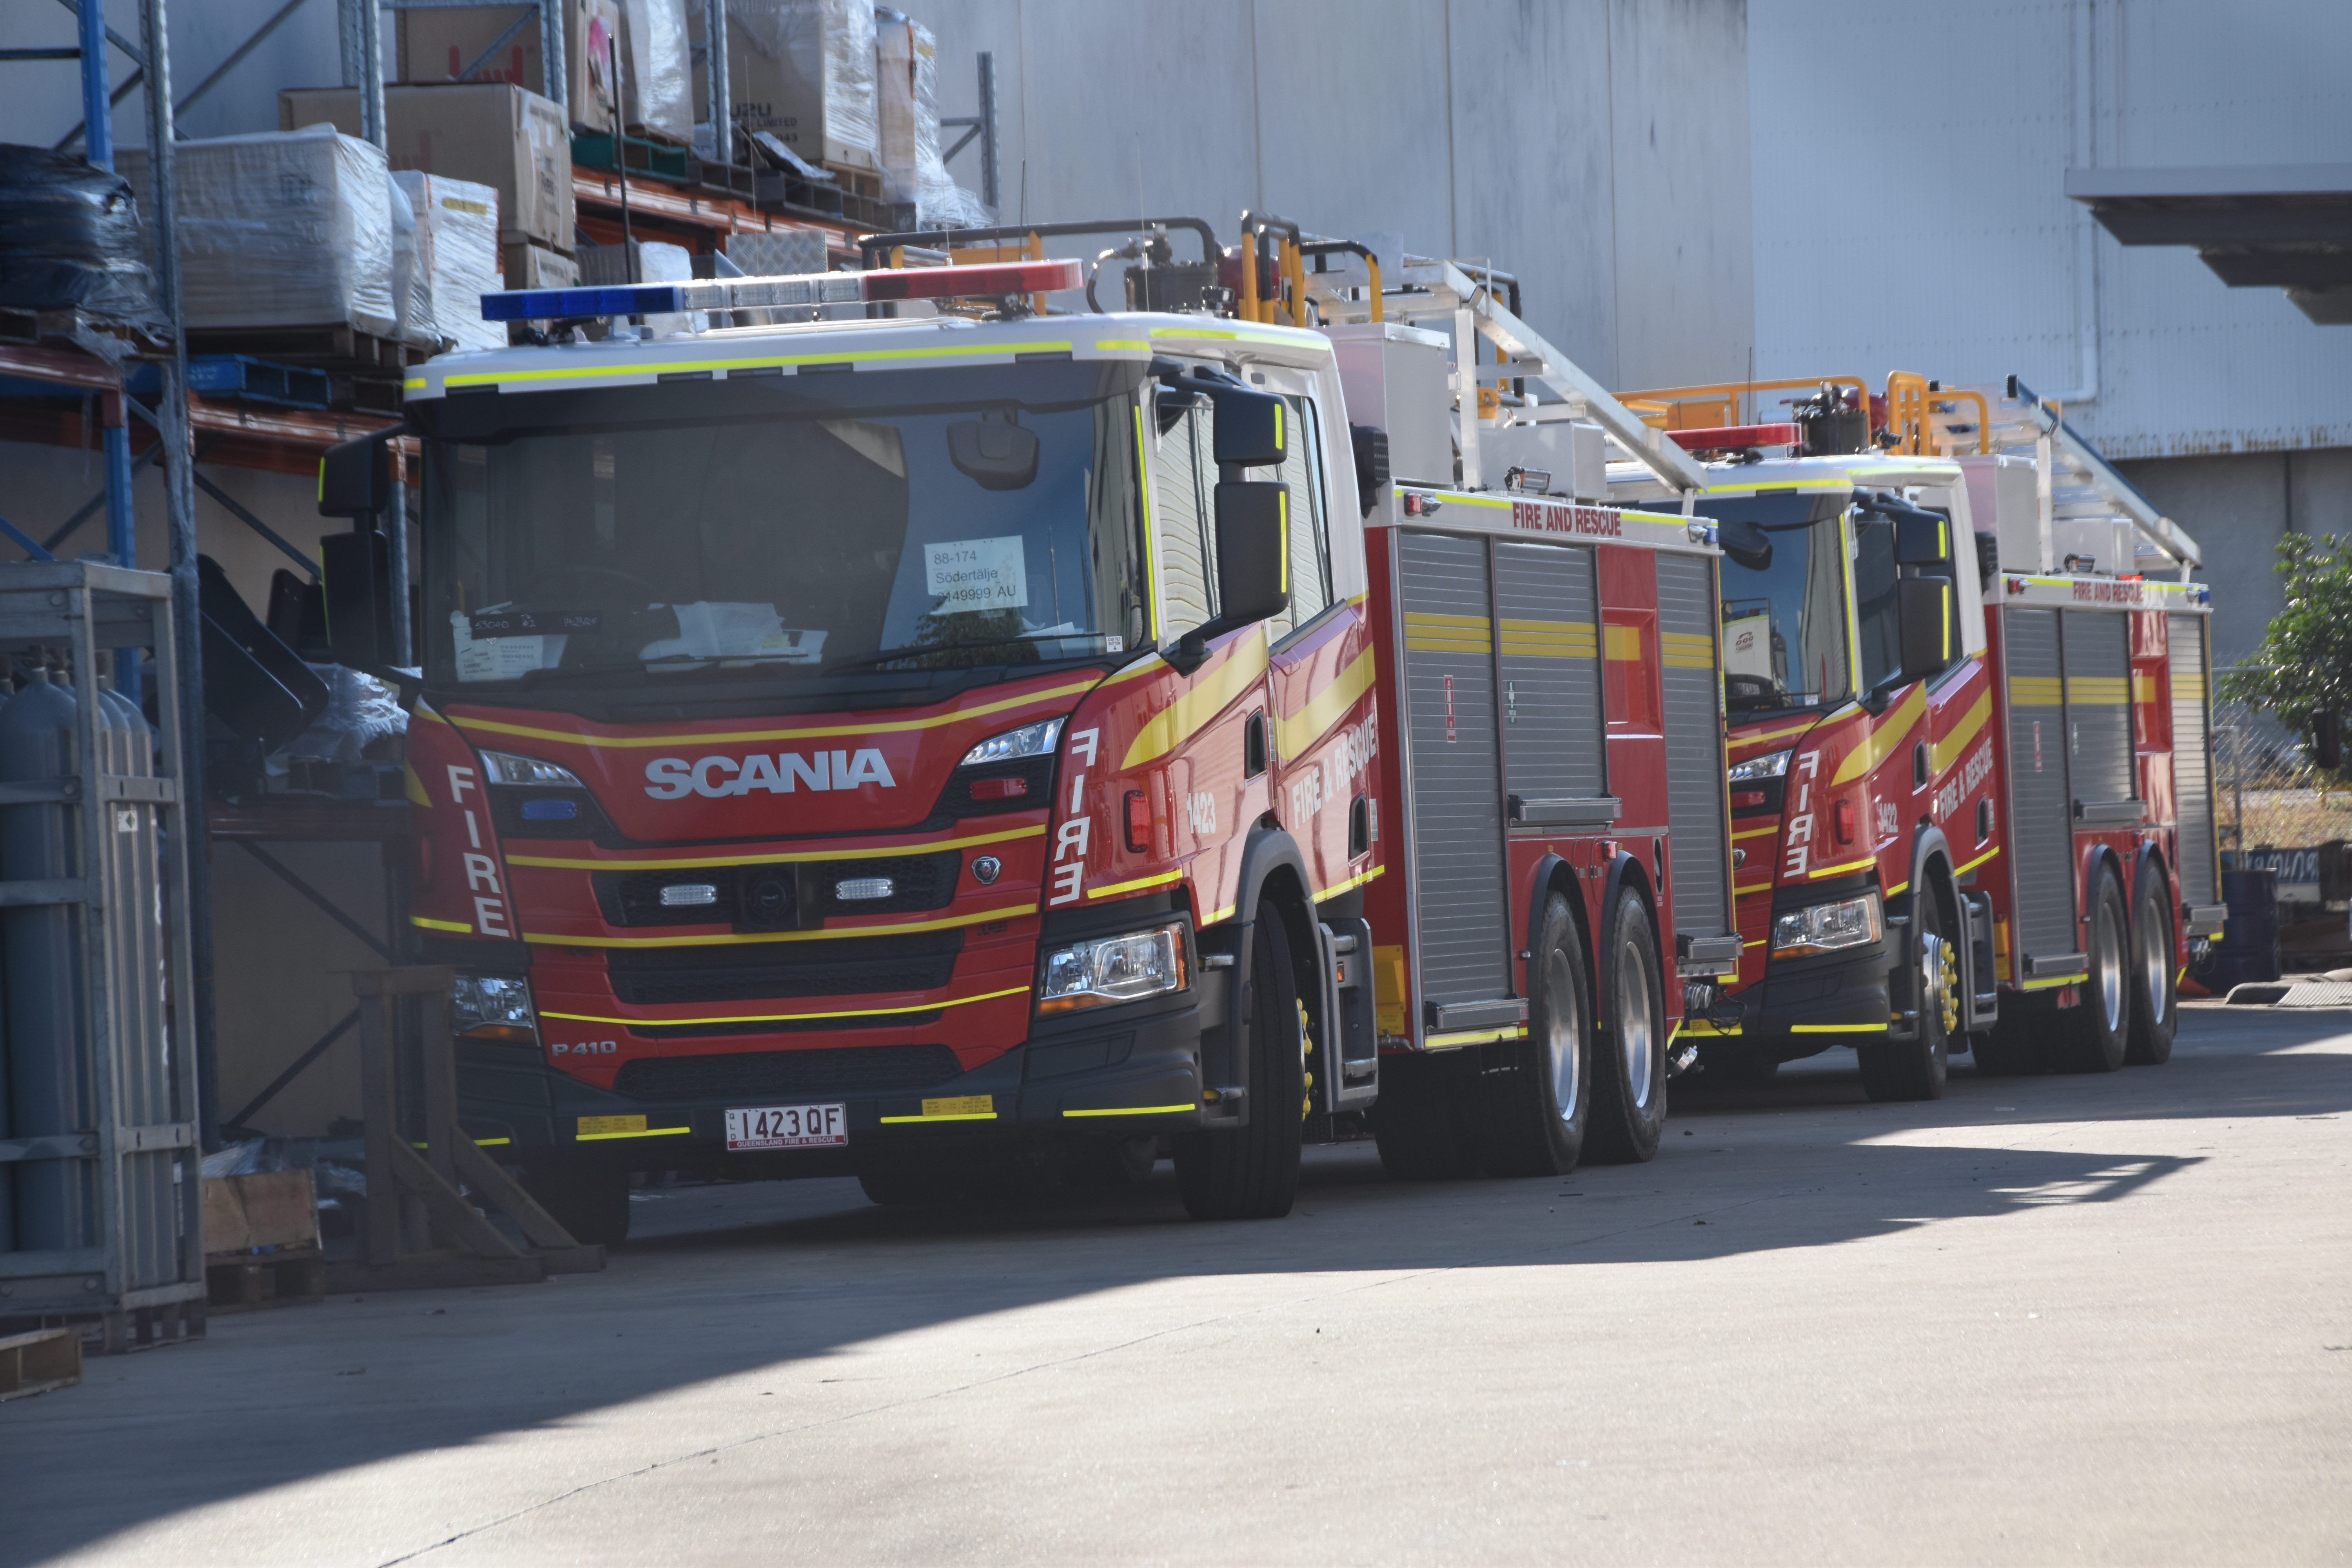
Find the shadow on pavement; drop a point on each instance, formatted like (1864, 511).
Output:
(789, 1279)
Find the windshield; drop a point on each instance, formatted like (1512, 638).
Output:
(787, 526)
(1784, 642)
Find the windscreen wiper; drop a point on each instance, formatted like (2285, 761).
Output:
(890, 654)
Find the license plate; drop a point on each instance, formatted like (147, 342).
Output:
(788, 1127)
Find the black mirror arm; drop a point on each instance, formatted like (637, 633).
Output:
(1191, 650)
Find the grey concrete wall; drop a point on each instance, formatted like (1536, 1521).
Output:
(2237, 507)
(1596, 148)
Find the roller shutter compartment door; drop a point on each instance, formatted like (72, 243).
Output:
(1457, 806)
(1553, 734)
(2192, 758)
(1698, 853)
(2040, 825)
(2098, 704)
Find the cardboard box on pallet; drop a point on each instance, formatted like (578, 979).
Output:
(531, 266)
(803, 69)
(435, 44)
(493, 134)
(279, 230)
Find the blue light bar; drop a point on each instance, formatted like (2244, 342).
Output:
(555, 304)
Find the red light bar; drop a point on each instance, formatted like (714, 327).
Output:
(1730, 436)
(992, 279)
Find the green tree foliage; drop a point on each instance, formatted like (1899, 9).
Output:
(2305, 665)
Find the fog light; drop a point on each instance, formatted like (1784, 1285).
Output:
(852, 888)
(683, 895)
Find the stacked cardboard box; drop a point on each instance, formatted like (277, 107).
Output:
(457, 254)
(803, 69)
(492, 133)
(437, 43)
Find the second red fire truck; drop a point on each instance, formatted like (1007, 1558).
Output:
(1965, 680)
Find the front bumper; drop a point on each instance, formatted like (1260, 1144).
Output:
(1077, 1077)
(1813, 1004)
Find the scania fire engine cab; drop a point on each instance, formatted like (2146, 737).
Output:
(1965, 699)
(869, 726)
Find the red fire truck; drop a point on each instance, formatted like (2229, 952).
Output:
(1967, 732)
(869, 726)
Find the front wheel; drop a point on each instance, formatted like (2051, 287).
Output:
(1917, 1068)
(1252, 1173)
(2154, 997)
(1629, 1070)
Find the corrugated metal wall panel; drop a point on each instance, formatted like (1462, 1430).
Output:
(2041, 820)
(1693, 690)
(1554, 742)
(2192, 760)
(2001, 273)
(1457, 795)
(2098, 704)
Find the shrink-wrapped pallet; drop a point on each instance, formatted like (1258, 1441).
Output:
(660, 98)
(458, 230)
(282, 228)
(412, 286)
(805, 70)
(907, 117)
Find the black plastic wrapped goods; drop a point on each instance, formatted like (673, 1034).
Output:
(72, 238)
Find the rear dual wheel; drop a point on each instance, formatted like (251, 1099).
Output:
(1532, 1104)
(1629, 1069)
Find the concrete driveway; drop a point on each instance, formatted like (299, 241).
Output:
(2059, 1319)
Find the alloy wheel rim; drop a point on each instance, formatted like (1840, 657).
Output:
(1635, 1037)
(2154, 958)
(1560, 1025)
(2111, 980)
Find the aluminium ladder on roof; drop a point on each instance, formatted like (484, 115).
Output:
(2078, 482)
(1522, 353)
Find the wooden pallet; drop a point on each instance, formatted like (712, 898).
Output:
(37, 1362)
(245, 1282)
(334, 347)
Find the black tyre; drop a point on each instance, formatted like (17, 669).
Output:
(1535, 1097)
(2093, 1036)
(1629, 1067)
(1917, 1068)
(1252, 1173)
(2154, 977)
(1422, 1119)
(588, 1198)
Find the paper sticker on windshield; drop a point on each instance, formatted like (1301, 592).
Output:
(976, 574)
(503, 657)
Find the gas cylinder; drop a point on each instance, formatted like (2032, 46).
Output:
(42, 962)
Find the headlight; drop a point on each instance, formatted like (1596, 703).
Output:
(506, 768)
(1825, 928)
(492, 1007)
(1124, 968)
(1029, 740)
(1767, 767)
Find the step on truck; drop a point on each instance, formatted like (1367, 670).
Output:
(870, 725)
(1965, 680)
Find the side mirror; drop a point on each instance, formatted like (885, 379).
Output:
(356, 578)
(1921, 539)
(1924, 611)
(355, 477)
(1253, 550)
(1745, 543)
(1253, 428)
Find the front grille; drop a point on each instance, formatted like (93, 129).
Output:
(778, 895)
(850, 966)
(832, 1070)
